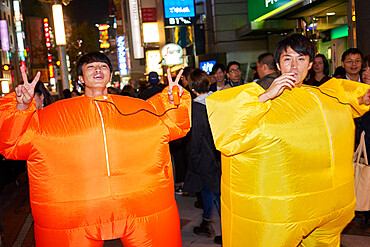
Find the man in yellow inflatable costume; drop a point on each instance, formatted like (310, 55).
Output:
(287, 173)
(95, 174)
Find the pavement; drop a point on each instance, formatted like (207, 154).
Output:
(18, 223)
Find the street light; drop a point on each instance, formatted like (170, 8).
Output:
(60, 39)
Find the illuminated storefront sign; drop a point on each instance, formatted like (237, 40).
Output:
(18, 29)
(121, 53)
(50, 58)
(153, 60)
(176, 8)
(150, 32)
(259, 10)
(207, 65)
(4, 35)
(179, 21)
(104, 38)
(172, 54)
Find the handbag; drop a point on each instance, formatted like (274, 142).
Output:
(362, 176)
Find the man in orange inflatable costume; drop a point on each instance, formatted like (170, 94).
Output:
(95, 173)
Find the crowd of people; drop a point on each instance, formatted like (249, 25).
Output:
(238, 129)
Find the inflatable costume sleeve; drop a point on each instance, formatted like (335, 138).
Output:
(13, 125)
(233, 115)
(177, 120)
(352, 91)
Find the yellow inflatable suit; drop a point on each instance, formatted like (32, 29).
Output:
(287, 173)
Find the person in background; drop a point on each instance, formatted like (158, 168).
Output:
(365, 73)
(319, 72)
(351, 62)
(363, 124)
(255, 77)
(234, 74)
(266, 69)
(184, 81)
(42, 96)
(340, 73)
(67, 94)
(128, 90)
(153, 88)
(204, 171)
(219, 73)
(75, 93)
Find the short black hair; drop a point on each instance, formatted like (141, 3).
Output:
(299, 43)
(92, 57)
(218, 66)
(40, 89)
(351, 51)
(199, 81)
(268, 59)
(232, 63)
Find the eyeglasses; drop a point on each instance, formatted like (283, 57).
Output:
(357, 61)
(235, 70)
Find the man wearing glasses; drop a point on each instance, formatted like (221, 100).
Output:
(351, 62)
(234, 74)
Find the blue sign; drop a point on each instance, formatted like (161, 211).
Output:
(178, 8)
(121, 53)
(207, 65)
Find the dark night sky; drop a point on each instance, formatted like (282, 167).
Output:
(94, 11)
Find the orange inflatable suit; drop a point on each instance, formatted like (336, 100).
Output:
(96, 175)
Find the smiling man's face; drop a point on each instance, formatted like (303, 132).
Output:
(95, 76)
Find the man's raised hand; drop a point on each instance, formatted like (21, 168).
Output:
(278, 86)
(25, 92)
(171, 97)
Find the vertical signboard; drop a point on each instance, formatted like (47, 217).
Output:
(136, 30)
(104, 38)
(4, 35)
(121, 53)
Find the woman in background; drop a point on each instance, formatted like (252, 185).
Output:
(319, 71)
(204, 171)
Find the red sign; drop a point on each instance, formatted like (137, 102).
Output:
(149, 14)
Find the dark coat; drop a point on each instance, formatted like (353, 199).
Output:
(205, 161)
(266, 81)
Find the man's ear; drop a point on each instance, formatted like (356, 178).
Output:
(265, 67)
(278, 66)
(81, 78)
(310, 65)
(342, 64)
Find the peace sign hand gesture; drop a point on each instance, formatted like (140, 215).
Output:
(25, 92)
(174, 89)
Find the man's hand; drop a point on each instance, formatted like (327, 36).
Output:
(278, 86)
(172, 83)
(24, 92)
(365, 99)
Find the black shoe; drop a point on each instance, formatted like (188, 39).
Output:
(178, 191)
(198, 205)
(205, 228)
(218, 239)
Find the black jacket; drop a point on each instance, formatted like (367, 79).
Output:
(205, 161)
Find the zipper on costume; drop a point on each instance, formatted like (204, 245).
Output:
(104, 138)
